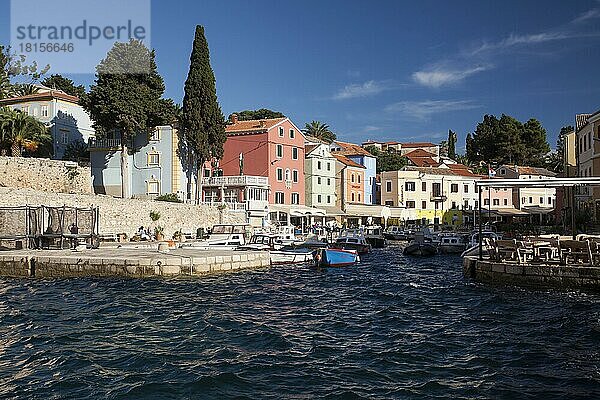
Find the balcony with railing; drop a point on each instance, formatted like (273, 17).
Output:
(96, 143)
(242, 180)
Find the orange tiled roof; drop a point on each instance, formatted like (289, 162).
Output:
(252, 126)
(310, 147)
(351, 149)
(441, 171)
(418, 144)
(345, 160)
(530, 170)
(49, 95)
(419, 153)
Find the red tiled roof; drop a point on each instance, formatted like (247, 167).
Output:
(530, 170)
(351, 149)
(441, 171)
(419, 153)
(252, 126)
(418, 144)
(49, 95)
(310, 147)
(345, 160)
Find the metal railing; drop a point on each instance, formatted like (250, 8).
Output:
(242, 180)
(95, 143)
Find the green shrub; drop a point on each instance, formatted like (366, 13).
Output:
(170, 197)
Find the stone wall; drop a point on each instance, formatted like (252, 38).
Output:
(45, 175)
(534, 275)
(127, 215)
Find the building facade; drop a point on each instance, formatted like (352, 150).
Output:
(350, 182)
(273, 148)
(367, 160)
(530, 199)
(320, 176)
(154, 167)
(587, 150)
(67, 120)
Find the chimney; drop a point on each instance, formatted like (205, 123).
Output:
(262, 123)
(233, 118)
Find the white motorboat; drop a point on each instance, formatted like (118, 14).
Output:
(279, 253)
(224, 237)
(352, 239)
(451, 243)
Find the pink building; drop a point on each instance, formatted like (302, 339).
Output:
(272, 148)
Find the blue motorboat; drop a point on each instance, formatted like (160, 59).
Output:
(335, 257)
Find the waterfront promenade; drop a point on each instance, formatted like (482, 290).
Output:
(141, 262)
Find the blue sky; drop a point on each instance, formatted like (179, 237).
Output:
(388, 70)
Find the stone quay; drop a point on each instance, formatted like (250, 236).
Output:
(116, 262)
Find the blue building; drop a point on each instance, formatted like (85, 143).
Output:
(154, 168)
(67, 120)
(363, 157)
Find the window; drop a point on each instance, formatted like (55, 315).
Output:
(328, 181)
(292, 134)
(328, 199)
(423, 186)
(280, 174)
(466, 188)
(288, 176)
(280, 131)
(476, 203)
(523, 200)
(437, 189)
(410, 204)
(155, 135)
(279, 151)
(389, 203)
(409, 186)
(550, 200)
(153, 159)
(486, 202)
(371, 199)
(530, 200)
(352, 178)
(541, 200)
(318, 180)
(454, 188)
(64, 135)
(496, 202)
(35, 111)
(279, 197)
(359, 200)
(328, 166)
(352, 196)
(295, 198)
(466, 205)
(295, 176)
(44, 111)
(318, 164)
(505, 202)
(294, 153)
(153, 187)
(25, 110)
(423, 205)
(388, 186)
(318, 198)
(358, 177)
(454, 205)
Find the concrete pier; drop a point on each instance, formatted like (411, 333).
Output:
(126, 262)
(533, 275)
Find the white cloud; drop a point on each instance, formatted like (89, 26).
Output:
(422, 110)
(369, 88)
(439, 76)
(586, 16)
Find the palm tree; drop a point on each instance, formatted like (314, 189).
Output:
(20, 131)
(320, 131)
(5, 86)
(24, 89)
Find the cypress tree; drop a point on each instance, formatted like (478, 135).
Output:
(202, 122)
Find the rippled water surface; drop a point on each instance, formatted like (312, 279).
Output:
(392, 327)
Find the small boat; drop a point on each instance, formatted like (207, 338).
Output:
(399, 233)
(224, 237)
(451, 243)
(335, 257)
(374, 236)
(352, 239)
(278, 252)
(421, 245)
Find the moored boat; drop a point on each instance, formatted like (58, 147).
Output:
(278, 253)
(352, 239)
(451, 243)
(374, 236)
(335, 257)
(223, 237)
(421, 245)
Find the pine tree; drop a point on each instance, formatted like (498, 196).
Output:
(202, 122)
(126, 98)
